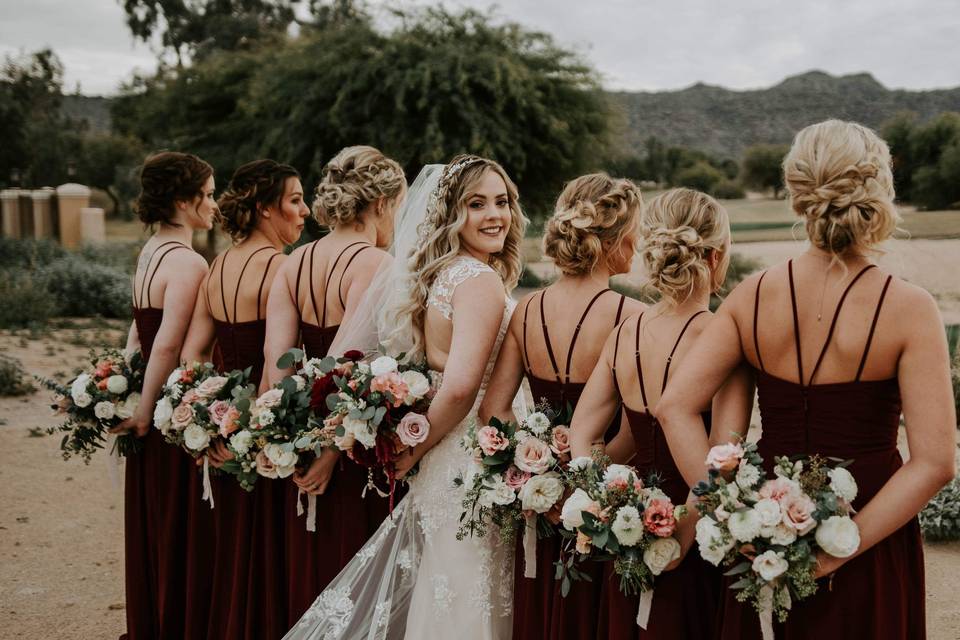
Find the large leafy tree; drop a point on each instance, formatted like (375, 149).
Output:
(926, 159)
(762, 167)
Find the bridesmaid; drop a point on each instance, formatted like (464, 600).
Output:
(591, 237)
(263, 211)
(876, 345)
(176, 195)
(315, 292)
(686, 243)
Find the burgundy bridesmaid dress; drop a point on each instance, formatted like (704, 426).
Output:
(155, 492)
(539, 609)
(685, 599)
(247, 600)
(344, 519)
(879, 595)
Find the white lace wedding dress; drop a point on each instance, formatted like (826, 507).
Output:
(414, 579)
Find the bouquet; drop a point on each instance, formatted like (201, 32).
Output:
(96, 401)
(613, 515)
(769, 530)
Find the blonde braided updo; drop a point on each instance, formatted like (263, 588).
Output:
(354, 178)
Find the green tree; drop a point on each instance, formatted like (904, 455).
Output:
(109, 162)
(701, 176)
(926, 159)
(762, 167)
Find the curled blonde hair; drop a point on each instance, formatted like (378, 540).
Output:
(593, 214)
(351, 181)
(840, 182)
(680, 229)
(440, 242)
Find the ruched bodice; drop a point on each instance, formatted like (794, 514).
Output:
(317, 340)
(147, 320)
(652, 453)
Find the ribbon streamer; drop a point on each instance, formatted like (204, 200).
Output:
(311, 512)
(113, 462)
(643, 611)
(766, 612)
(530, 547)
(207, 489)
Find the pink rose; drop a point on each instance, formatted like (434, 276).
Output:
(560, 442)
(182, 417)
(229, 421)
(190, 397)
(413, 429)
(658, 518)
(515, 478)
(104, 369)
(583, 543)
(725, 457)
(533, 455)
(186, 376)
(491, 441)
(778, 489)
(391, 383)
(798, 511)
(217, 410)
(211, 386)
(265, 466)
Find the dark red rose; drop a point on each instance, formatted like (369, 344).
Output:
(322, 387)
(353, 355)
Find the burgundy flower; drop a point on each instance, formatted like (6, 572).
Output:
(353, 355)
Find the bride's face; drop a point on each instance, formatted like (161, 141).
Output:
(488, 216)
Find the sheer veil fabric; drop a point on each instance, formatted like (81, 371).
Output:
(413, 578)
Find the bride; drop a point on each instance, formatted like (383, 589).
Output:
(462, 226)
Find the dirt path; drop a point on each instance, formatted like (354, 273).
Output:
(61, 525)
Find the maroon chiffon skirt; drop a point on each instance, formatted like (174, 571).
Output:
(199, 556)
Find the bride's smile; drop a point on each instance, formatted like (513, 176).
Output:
(488, 217)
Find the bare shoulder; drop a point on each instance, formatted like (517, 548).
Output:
(631, 306)
(372, 258)
(905, 299)
(516, 321)
(190, 263)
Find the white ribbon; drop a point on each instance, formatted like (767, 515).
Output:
(113, 462)
(766, 612)
(530, 547)
(299, 503)
(311, 509)
(207, 489)
(643, 611)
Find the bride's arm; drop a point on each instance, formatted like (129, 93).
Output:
(477, 313)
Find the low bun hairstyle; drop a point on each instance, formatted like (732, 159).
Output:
(253, 187)
(354, 178)
(680, 229)
(593, 214)
(840, 182)
(166, 178)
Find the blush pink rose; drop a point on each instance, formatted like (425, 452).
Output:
(190, 397)
(211, 386)
(265, 466)
(583, 543)
(658, 518)
(798, 511)
(217, 410)
(229, 421)
(515, 478)
(533, 455)
(725, 457)
(186, 376)
(560, 443)
(413, 429)
(393, 384)
(491, 441)
(182, 417)
(104, 369)
(779, 489)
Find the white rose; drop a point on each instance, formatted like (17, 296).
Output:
(540, 493)
(104, 410)
(82, 400)
(196, 438)
(241, 441)
(843, 484)
(361, 431)
(537, 423)
(713, 544)
(116, 384)
(573, 508)
(660, 553)
(417, 385)
(744, 525)
(769, 511)
(770, 565)
(780, 534)
(312, 367)
(500, 493)
(270, 398)
(653, 493)
(128, 407)
(839, 536)
(174, 377)
(163, 413)
(285, 461)
(79, 385)
(747, 475)
(522, 434)
(382, 366)
(300, 381)
(580, 463)
(627, 526)
(364, 368)
(265, 418)
(619, 473)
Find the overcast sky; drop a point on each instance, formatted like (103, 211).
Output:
(634, 44)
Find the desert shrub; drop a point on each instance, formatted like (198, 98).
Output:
(940, 519)
(25, 300)
(727, 190)
(122, 257)
(83, 288)
(700, 176)
(22, 254)
(13, 379)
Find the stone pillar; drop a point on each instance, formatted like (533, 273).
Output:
(93, 229)
(10, 200)
(43, 213)
(71, 198)
(26, 214)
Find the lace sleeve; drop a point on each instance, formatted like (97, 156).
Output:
(461, 270)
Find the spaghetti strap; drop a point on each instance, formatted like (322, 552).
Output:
(206, 288)
(666, 370)
(623, 299)
(223, 288)
(296, 287)
(833, 323)
(322, 318)
(313, 295)
(344, 272)
(796, 320)
(616, 350)
(636, 354)
(263, 280)
(236, 292)
(565, 380)
(873, 327)
(756, 317)
(155, 269)
(526, 356)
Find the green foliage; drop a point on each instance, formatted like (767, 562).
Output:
(80, 287)
(955, 377)
(13, 379)
(727, 190)
(762, 167)
(110, 162)
(940, 519)
(700, 176)
(26, 301)
(926, 159)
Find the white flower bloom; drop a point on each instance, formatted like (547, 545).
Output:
(744, 525)
(116, 384)
(500, 493)
(541, 493)
(779, 534)
(265, 418)
(361, 430)
(579, 463)
(747, 475)
(712, 542)
(839, 536)
(126, 408)
(537, 423)
(769, 510)
(382, 366)
(174, 377)
(363, 368)
(163, 413)
(522, 434)
(417, 385)
(843, 484)
(300, 381)
(653, 493)
(285, 461)
(619, 473)
(770, 565)
(270, 398)
(196, 438)
(241, 441)
(83, 400)
(661, 553)
(104, 410)
(627, 526)
(573, 508)
(312, 367)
